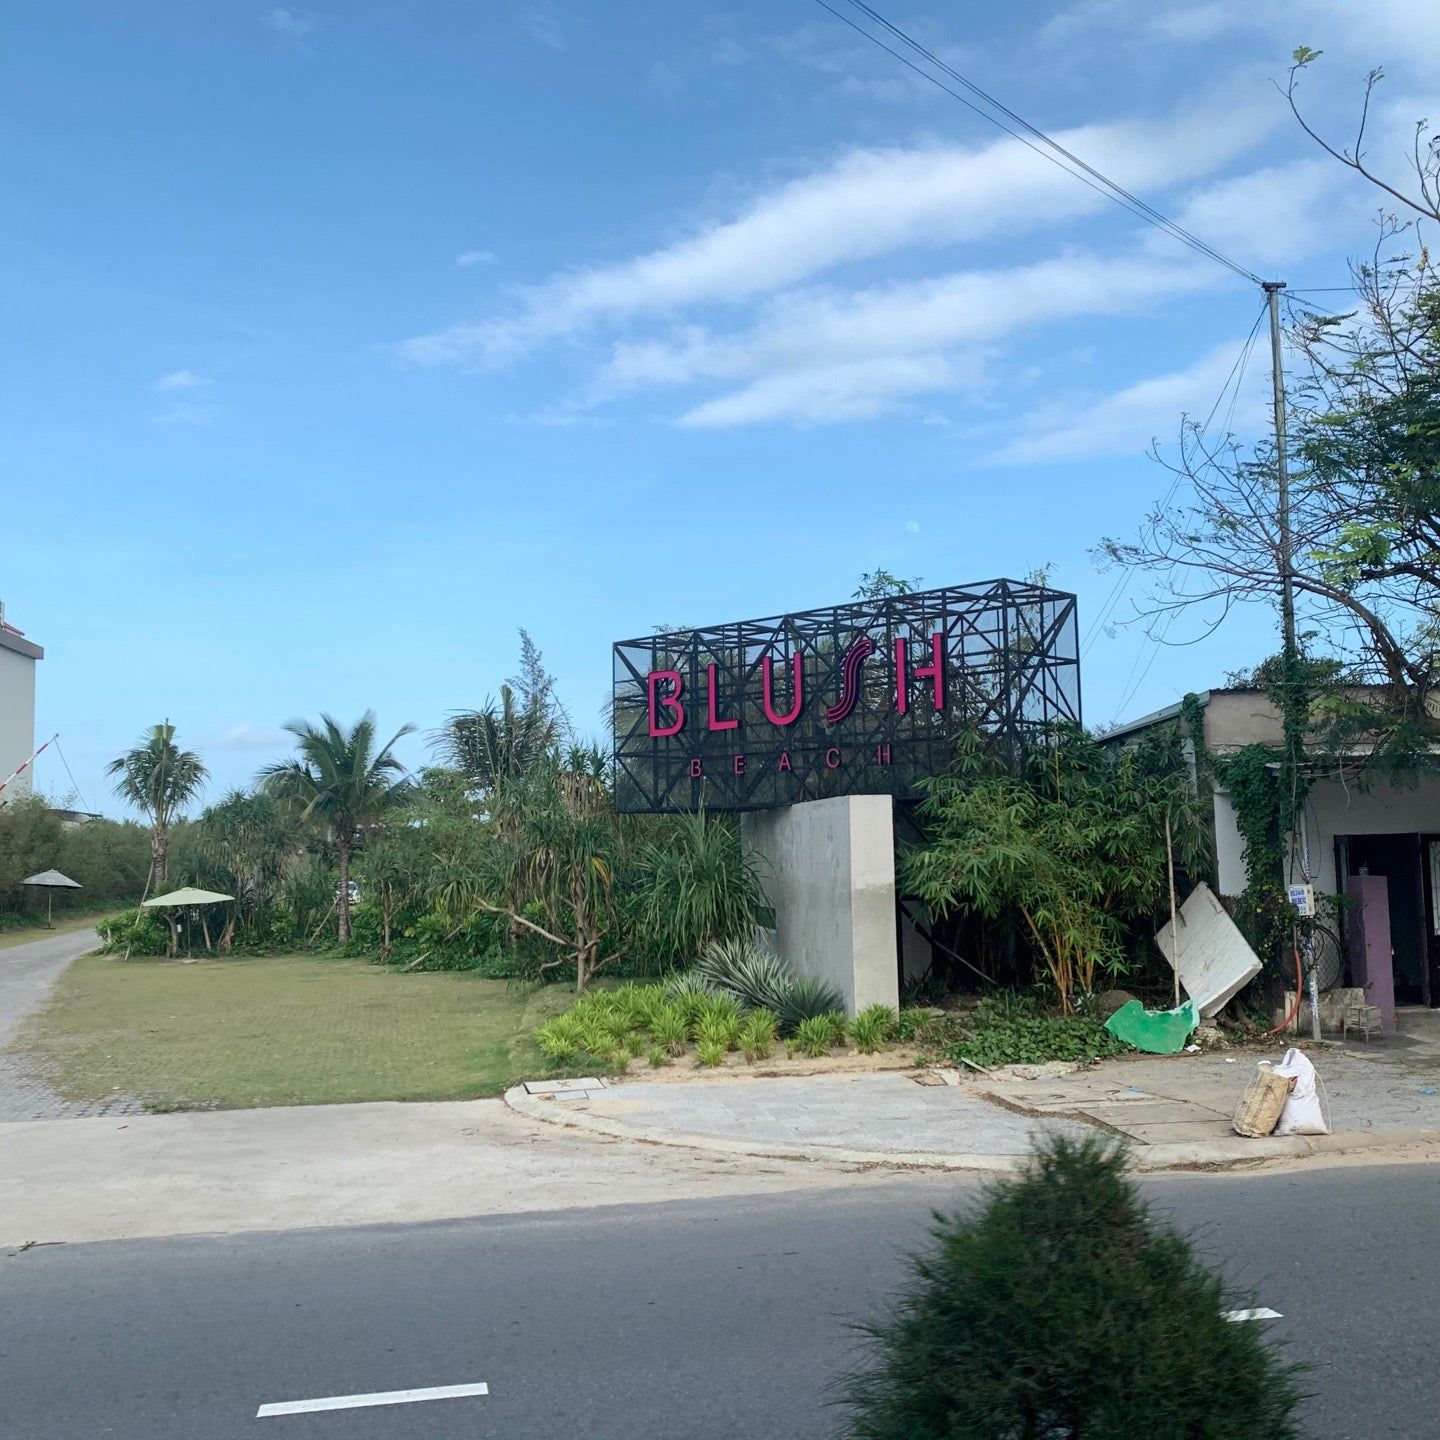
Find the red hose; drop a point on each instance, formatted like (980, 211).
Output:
(1299, 995)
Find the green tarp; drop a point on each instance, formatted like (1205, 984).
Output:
(1157, 1032)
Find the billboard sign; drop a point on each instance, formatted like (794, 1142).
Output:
(862, 698)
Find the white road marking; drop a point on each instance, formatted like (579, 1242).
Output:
(1261, 1314)
(381, 1397)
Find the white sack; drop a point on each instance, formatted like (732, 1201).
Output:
(1302, 1114)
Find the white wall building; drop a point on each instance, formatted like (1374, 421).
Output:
(17, 707)
(1354, 824)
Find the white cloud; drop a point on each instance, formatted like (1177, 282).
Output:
(467, 258)
(1127, 421)
(1271, 216)
(1399, 32)
(913, 526)
(827, 355)
(247, 735)
(289, 25)
(540, 20)
(865, 204)
(179, 380)
(826, 394)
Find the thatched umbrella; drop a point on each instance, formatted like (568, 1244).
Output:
(50, 881)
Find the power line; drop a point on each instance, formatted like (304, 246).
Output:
(1235, 379)
(1234, 383)
(1052, 150)
(73, 785)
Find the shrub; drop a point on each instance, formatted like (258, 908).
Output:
(805, 999)
(813, 1037)
(659, 1056)
(710, 1053)
(1013, 1030)
(757, 1034)
(686, 982)
(1062, 1309)
(142, 934)
(873, 1028)
(839, 1026)
(761, 981)
(695, 884)
(557, 1043)
(719, 1028)
(753, 976)
(670, 1029)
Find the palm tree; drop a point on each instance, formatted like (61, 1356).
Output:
(340, 779)
(158, 779)
(497, 743)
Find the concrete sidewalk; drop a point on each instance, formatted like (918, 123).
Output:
(1173, 1111)
(238, 1171)
(1382, 1090)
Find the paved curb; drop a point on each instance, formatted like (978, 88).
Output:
(1174, 1156)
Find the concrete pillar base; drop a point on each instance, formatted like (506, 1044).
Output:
(828, 867)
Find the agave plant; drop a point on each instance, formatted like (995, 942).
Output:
(686, 982)
(762, 981)
(807, 999)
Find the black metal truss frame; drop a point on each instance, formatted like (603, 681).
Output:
(1012, 670)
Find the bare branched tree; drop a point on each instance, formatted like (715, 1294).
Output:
(1365, 472)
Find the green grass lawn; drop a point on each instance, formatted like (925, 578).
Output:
(283, 1030)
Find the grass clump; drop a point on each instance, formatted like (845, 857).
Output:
(709, 1053)
(670, 1028)
(813, 1037)
(873, 1029)
(757, 1035)
(1062, 1309)
(720, 1029)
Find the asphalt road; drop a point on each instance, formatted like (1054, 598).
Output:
(710, 1320)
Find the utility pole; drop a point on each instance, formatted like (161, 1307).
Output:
(1292, 722)
(1272, 290)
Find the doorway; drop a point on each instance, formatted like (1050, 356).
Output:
(1411, 867)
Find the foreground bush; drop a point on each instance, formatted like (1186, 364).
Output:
(1062, 1311)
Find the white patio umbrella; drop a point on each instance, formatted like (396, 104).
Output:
(186, 898)
(50, 881)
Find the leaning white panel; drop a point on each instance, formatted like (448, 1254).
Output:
(1216, 961)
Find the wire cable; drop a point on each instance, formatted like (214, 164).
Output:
(73, 784)
(1041, 143)
(1235, 379)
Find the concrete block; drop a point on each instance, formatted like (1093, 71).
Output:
(829, 870)
(558, 1087)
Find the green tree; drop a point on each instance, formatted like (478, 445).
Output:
(497, 742)
(880, 584)
(1073, 843)
(550, 868)
(691, 882)
(340, 780)
(1063, 1311)
(244, 846)
(158, 779)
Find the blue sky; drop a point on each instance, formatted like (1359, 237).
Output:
(343, 341)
